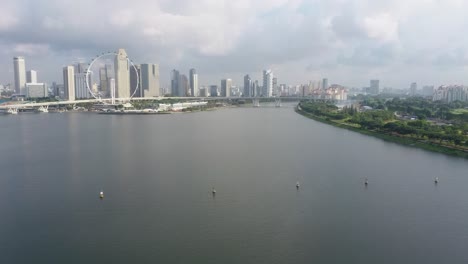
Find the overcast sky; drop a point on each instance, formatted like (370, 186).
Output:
(348, 41)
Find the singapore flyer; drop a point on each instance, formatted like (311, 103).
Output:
(112, 75)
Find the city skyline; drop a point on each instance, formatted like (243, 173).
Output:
(349, 43)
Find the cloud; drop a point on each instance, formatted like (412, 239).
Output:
(346, 40)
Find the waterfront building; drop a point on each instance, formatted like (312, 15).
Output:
(31, 76)
(150, 80)
(183, 85)
(267, 89)
(20, 75)
(175, 82)
(69, 83)
(275, 87)
(226, 86)
(36, 90)
(122, 75)
(213, 90)
(193, 78)
(247, 86)
(135, 81)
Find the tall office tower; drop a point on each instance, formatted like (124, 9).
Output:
(175, 83)
(20, 75)
(247, 86)
(267, 89)
(122, 75)
(226, 86)
(103, 82)
(183, 85)
(69, 83)
(81, 88)
(324, 84)
(275, 87)
(194, 91)
(258, 89)
(213, 90)
(374, 86)
(31, 76)
(135, 82)
(413, 89)
(150, 80)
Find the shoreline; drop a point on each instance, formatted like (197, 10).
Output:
(390, 138)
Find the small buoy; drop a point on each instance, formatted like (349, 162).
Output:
(366, 182)
(297, 185)
(213, 191)
(101, 195)
(436, 180)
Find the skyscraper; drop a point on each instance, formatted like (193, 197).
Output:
(81, 88)
(122, 75)
(31, 76)
(135, 82)
(213, 90)
(69, 83)
(194, 91)
(275, 87)
(226, 85)
(175, 82)
(183, 85)
(150, 80)
(324, 84)
(374, 87)
(20, 75)
(103, 81)
(247, 86)
(267, 89)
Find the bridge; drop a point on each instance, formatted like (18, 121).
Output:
(255, 100)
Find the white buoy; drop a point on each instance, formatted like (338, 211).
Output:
(366, 182)
(213, 191)
(297, 185)
(436, 180)
(101, 195)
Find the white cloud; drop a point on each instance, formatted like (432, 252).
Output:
(332, 37)
(382, 27)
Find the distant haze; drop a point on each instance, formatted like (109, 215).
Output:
(349, 42)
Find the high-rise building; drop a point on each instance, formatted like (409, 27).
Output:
(150, 80)
(213, 90)
(69, 83)
(247, 86)
(267, 89)
(374, 87)
(135, 82)
(324, 84)
(413, 89)
(31, 76)
(194, 91)
(226, 86)
(81, 87)
(257, 89)
(20, 75)
(103, 81)
(275, 87)
(122, 75)
(183, 85)
(36, 90)
(175, 82)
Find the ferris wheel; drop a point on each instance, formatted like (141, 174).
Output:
(89, 72)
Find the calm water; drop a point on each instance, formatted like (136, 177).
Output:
(157, 173)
